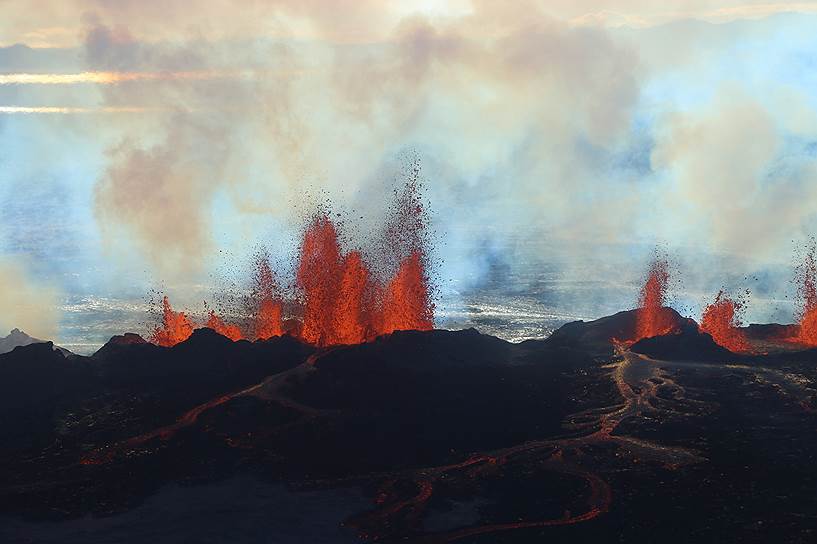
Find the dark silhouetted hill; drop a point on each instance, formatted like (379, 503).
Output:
(18, 338)
(597, 336)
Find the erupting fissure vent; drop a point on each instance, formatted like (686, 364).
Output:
(266, 301)
(721, 319)
(652, 319)
(806, 278)
(341, 298)
(176, 327)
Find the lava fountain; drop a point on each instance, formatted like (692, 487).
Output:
(341, 297)
(266, 301)
(652, 319)
(217, 324)
(721, 319)
(319, 275)
(406, 303)
(176, 327)
(354, 312)
(807, 292)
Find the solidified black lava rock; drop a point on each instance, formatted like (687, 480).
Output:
(597, 336)
(35, 381)
(427, 397)
(438, 434)
(770, 331)
(688, 344)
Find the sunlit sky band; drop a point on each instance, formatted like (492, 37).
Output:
(70, 110)
(109, 78)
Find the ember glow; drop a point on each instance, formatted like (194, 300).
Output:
(721, 319)
(341, 298)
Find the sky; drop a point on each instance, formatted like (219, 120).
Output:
(154, 145)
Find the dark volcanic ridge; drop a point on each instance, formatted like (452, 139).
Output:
(446, 435)
(17, 338)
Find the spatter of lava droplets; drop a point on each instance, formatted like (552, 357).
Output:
(721, 319)
(266, 302)
(652, 319)
(343, 298)
(217, 324)
(806, 278)
(176, 326)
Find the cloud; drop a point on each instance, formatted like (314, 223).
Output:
(487, 91)
(738, 193)
(26, 304)
(160, 193)
(539, 120)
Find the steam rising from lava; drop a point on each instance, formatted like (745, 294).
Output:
(341, 298)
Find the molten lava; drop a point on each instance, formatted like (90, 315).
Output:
(353, 320)
(652, 319)
(176, 327)
(807, 291)
(268, 310)
(341, 297)
(407, 304)
(345, 304)
(318, 276)
(230, 331)
(268, 322)
(721, 320)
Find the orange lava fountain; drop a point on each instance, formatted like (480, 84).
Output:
(343, 301)
(268, 311)
(721, 320)
(406, 304)
(339, 298)
(807, 290)
(651, 317)
(217, 324)
(319, 275)
(176, 327)
(353, 318)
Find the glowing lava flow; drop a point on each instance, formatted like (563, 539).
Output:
(176, 327)
(651, 317)
(721, 320)
(638, 380)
